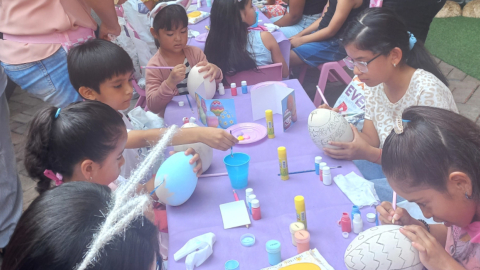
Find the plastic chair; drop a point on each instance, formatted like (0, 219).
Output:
(331, 71)
(142, 100)
(271, 72)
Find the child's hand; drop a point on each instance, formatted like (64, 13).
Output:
(176, 75)
(356, 149)
(296, 41)
(432, 254)
(217, 138)
(212, 70)
(387, 214)
(196, 158)
(325, 106)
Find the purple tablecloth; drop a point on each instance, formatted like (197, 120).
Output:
(282, 40)
(324, 204)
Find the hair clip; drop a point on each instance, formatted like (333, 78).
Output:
(160, 6)
(412, 40)
(58, 178)
(398, 128)
(57, 113)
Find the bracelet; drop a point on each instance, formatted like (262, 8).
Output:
(379, 156)
(425, 223)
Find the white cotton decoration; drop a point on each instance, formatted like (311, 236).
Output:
(328, 126)
(195, 79)
(382, 248)
(205, 151)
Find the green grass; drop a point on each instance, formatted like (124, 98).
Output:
(456, 41)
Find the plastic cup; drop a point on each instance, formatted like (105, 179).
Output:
(232, 265)
(237, 168)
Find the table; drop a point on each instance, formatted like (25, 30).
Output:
(324, 204)
(282, 40)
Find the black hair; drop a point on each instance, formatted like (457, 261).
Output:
(96, 61)
(55, 230)
(227, 40)
(380, 30)
(169, 18)
(433, 144)
(88, 129)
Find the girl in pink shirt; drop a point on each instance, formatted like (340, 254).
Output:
(432, 158)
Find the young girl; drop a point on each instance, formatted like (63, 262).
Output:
(319, 43)
(57, 229)
(398, 73)
(232, 47)
(170, 29)
(432, 159)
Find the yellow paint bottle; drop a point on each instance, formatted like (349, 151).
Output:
(282, 160)
(300, 208)
(270, 129)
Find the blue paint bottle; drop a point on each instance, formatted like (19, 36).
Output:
(244, 87)
(318, 160)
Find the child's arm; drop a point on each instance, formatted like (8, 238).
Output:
(214, 137)
(294, 14)
(277, 57)
(161, 90)
(312, 27)
(106, 12)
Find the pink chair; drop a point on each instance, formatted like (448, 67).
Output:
(142, 100)
(331, 71)
(271, 72)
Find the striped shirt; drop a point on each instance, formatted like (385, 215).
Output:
(182, 86)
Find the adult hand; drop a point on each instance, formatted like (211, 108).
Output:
(399, 215)
(296, 41)
(432, 254)
(357, 149)
(212, 70)
(217, 138)
(176, 75)
(195, 158)
(106, 30)
(325, 106)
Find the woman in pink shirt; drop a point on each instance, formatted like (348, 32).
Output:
(35, 37)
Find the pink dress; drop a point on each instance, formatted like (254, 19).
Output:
(463, 244)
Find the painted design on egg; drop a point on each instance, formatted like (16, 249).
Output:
(204, 106)
(225, 119)
(212, 120)
(216, 107)
(326, 125)
(287, 119)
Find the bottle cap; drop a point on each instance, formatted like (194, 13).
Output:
(252, 197)
(326, 170)
(181, 103)
(371, 217)
(233, 85)
(296, 226)
(345, 234)
(282, 152)
(302, 237)
(357, 217)
(322, 164)
(248, 192)
(318, 159)
(273, 246)
(268, 113)
(255, 203)
(192, 119)
(244, 83)
(232, 264)
(220, 85)
(247, 240)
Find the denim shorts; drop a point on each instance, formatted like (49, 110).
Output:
(292, 30)
(316, 53)
(46, 79)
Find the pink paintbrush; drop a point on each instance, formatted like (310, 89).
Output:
(394, 204)
(156, 67)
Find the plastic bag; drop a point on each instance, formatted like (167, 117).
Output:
(310, 257)
(352, 103)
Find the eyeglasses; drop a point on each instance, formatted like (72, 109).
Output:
(361, 65)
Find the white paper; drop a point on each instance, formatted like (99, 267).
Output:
(268, 98)
(234, 214)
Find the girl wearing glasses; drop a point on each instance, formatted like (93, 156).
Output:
(398, 73)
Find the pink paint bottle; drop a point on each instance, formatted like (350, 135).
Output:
(346, 223)
(303, 241)
(256, 213)
(233, 88)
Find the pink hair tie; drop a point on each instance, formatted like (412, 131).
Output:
(55, 177)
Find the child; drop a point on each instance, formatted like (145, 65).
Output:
(432, 159)
(232, 47)
(319, 43)
(57, 229)
(398, 73)
(170, 29)
(100, 70)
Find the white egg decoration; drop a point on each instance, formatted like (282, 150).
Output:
(195, 79)
(326, 125)
(382, 247)
(205, 151)
(175, 180)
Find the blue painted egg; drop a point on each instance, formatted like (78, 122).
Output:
(226, 120)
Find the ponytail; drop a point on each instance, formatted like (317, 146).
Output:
(380, 30)
(57, 142)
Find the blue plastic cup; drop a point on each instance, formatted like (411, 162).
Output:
(237, 168)
(232, 265)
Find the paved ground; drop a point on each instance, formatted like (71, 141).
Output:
(466, 92)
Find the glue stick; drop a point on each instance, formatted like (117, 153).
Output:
(270, 130)
(282, 160)
(300, 208)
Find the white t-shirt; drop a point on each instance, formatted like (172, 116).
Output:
(424, 90)
(133, 157)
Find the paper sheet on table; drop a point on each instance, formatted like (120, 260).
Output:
(234, 214)
(268, 98)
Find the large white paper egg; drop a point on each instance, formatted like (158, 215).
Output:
(175, 180)
(205, 151)
(382, 247)
(326, 125)
(195, 79)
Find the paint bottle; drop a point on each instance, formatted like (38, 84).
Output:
(209, 3)
(300, 208)
(282, 160)
(346, 223)
(248, 192)
(270, 129)
(295, 227)
(355, 210)
(303, 241)
(274, 249)
(256, 213)
(221, 89)
(318, 160)
(199, 3)
(233, 88)
(244, 87)
(327, 177)
(357, 224)
(250, 199)
(322, 164)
